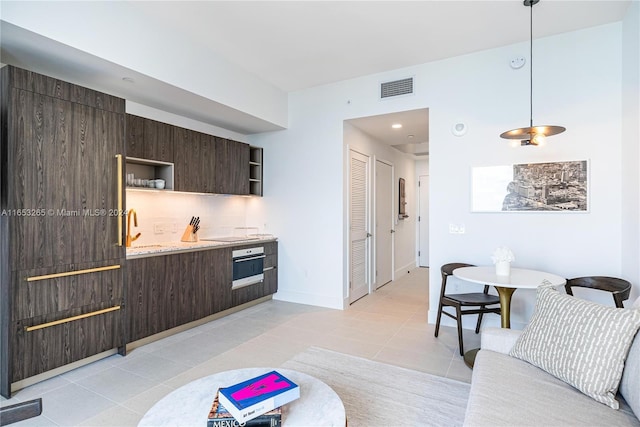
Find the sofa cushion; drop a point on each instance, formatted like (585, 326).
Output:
(580, 342)
(506, 391)
(630, 382)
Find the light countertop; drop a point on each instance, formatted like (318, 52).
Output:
(168, 248)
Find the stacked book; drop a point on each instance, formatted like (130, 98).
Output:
(255, 402)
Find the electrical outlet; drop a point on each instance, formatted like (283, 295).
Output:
(158, 228)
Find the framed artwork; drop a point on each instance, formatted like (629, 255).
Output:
(526, 187)
(402, 200)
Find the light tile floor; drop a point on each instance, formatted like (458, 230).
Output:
(389, 326)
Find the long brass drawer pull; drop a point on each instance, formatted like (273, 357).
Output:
(73, 273)
(71, 319)
(119, 189)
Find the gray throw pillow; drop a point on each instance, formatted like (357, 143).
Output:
(630, 382)
(580, 342)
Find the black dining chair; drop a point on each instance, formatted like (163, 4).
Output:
(619, 288)
(459, 301)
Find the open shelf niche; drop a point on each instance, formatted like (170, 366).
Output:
(150, 169)
(255, 171)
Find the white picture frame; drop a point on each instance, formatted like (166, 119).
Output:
(531, 187)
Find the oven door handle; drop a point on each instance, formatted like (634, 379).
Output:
(249, 259)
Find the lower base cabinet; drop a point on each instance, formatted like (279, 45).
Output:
(40, 349)
(64, 314)
(166, 291)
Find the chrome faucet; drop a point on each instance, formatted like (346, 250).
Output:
(135, 224)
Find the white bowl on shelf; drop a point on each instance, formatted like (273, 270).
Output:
(160, 183)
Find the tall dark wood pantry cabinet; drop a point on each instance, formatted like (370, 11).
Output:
(61, 231)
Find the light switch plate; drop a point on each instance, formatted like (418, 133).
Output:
(456, 229)
(158, 228)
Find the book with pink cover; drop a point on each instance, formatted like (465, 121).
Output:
(253, 397)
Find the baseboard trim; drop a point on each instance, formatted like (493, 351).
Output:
(164, 334)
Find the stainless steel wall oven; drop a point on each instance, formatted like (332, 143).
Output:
(248, 267)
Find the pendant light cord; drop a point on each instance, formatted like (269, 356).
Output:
(531, 65)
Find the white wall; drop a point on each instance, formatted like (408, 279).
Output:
(631, 147)
(120, 33)
(306, 168)
(403, 167)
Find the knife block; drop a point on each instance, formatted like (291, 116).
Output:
(189, 235)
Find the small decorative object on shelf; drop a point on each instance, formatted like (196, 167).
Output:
(502, 258)
(256, 396)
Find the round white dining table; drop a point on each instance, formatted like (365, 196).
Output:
(519, 278)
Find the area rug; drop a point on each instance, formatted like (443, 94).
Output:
(377, 394)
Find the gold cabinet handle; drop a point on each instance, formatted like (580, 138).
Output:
(71, 319)
(120, 216)
(73, 273)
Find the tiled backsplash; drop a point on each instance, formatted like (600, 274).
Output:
(163, 216)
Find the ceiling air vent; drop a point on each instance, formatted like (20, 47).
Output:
(396, 88)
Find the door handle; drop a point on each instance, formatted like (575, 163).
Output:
(119, 189)
(369, 234)
(393, 231)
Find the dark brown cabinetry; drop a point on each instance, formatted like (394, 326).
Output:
(202, 163)
(194, 163)
(67, 314)
(168, 291)
(171, 290)
(149, 139)
(232, 167)
(61, 152)
(63, 179)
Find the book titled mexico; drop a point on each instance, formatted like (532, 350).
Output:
(220, 417)
(252, 398)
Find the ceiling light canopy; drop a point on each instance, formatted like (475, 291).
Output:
(532, 135)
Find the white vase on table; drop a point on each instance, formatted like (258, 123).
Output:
(503, 268)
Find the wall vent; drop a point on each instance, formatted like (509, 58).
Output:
(396, 88)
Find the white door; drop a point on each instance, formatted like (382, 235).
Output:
(423, 221)
(359, 247)
(384, 224)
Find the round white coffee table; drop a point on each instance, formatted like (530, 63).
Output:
(189, 405)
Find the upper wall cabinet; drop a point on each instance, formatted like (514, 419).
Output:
(149, 139)
(255, 171)
(202, 163)
(232, 167)
(194, 163)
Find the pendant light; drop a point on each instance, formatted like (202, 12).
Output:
(532, 135)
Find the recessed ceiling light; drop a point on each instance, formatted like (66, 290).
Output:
(128, 80)
(410, 136)
(396, 125)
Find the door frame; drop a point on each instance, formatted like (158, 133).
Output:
(422, 222)
(374, 266)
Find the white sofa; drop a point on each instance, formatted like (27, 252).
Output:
(506, 391)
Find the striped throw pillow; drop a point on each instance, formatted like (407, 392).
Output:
(580, 342)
